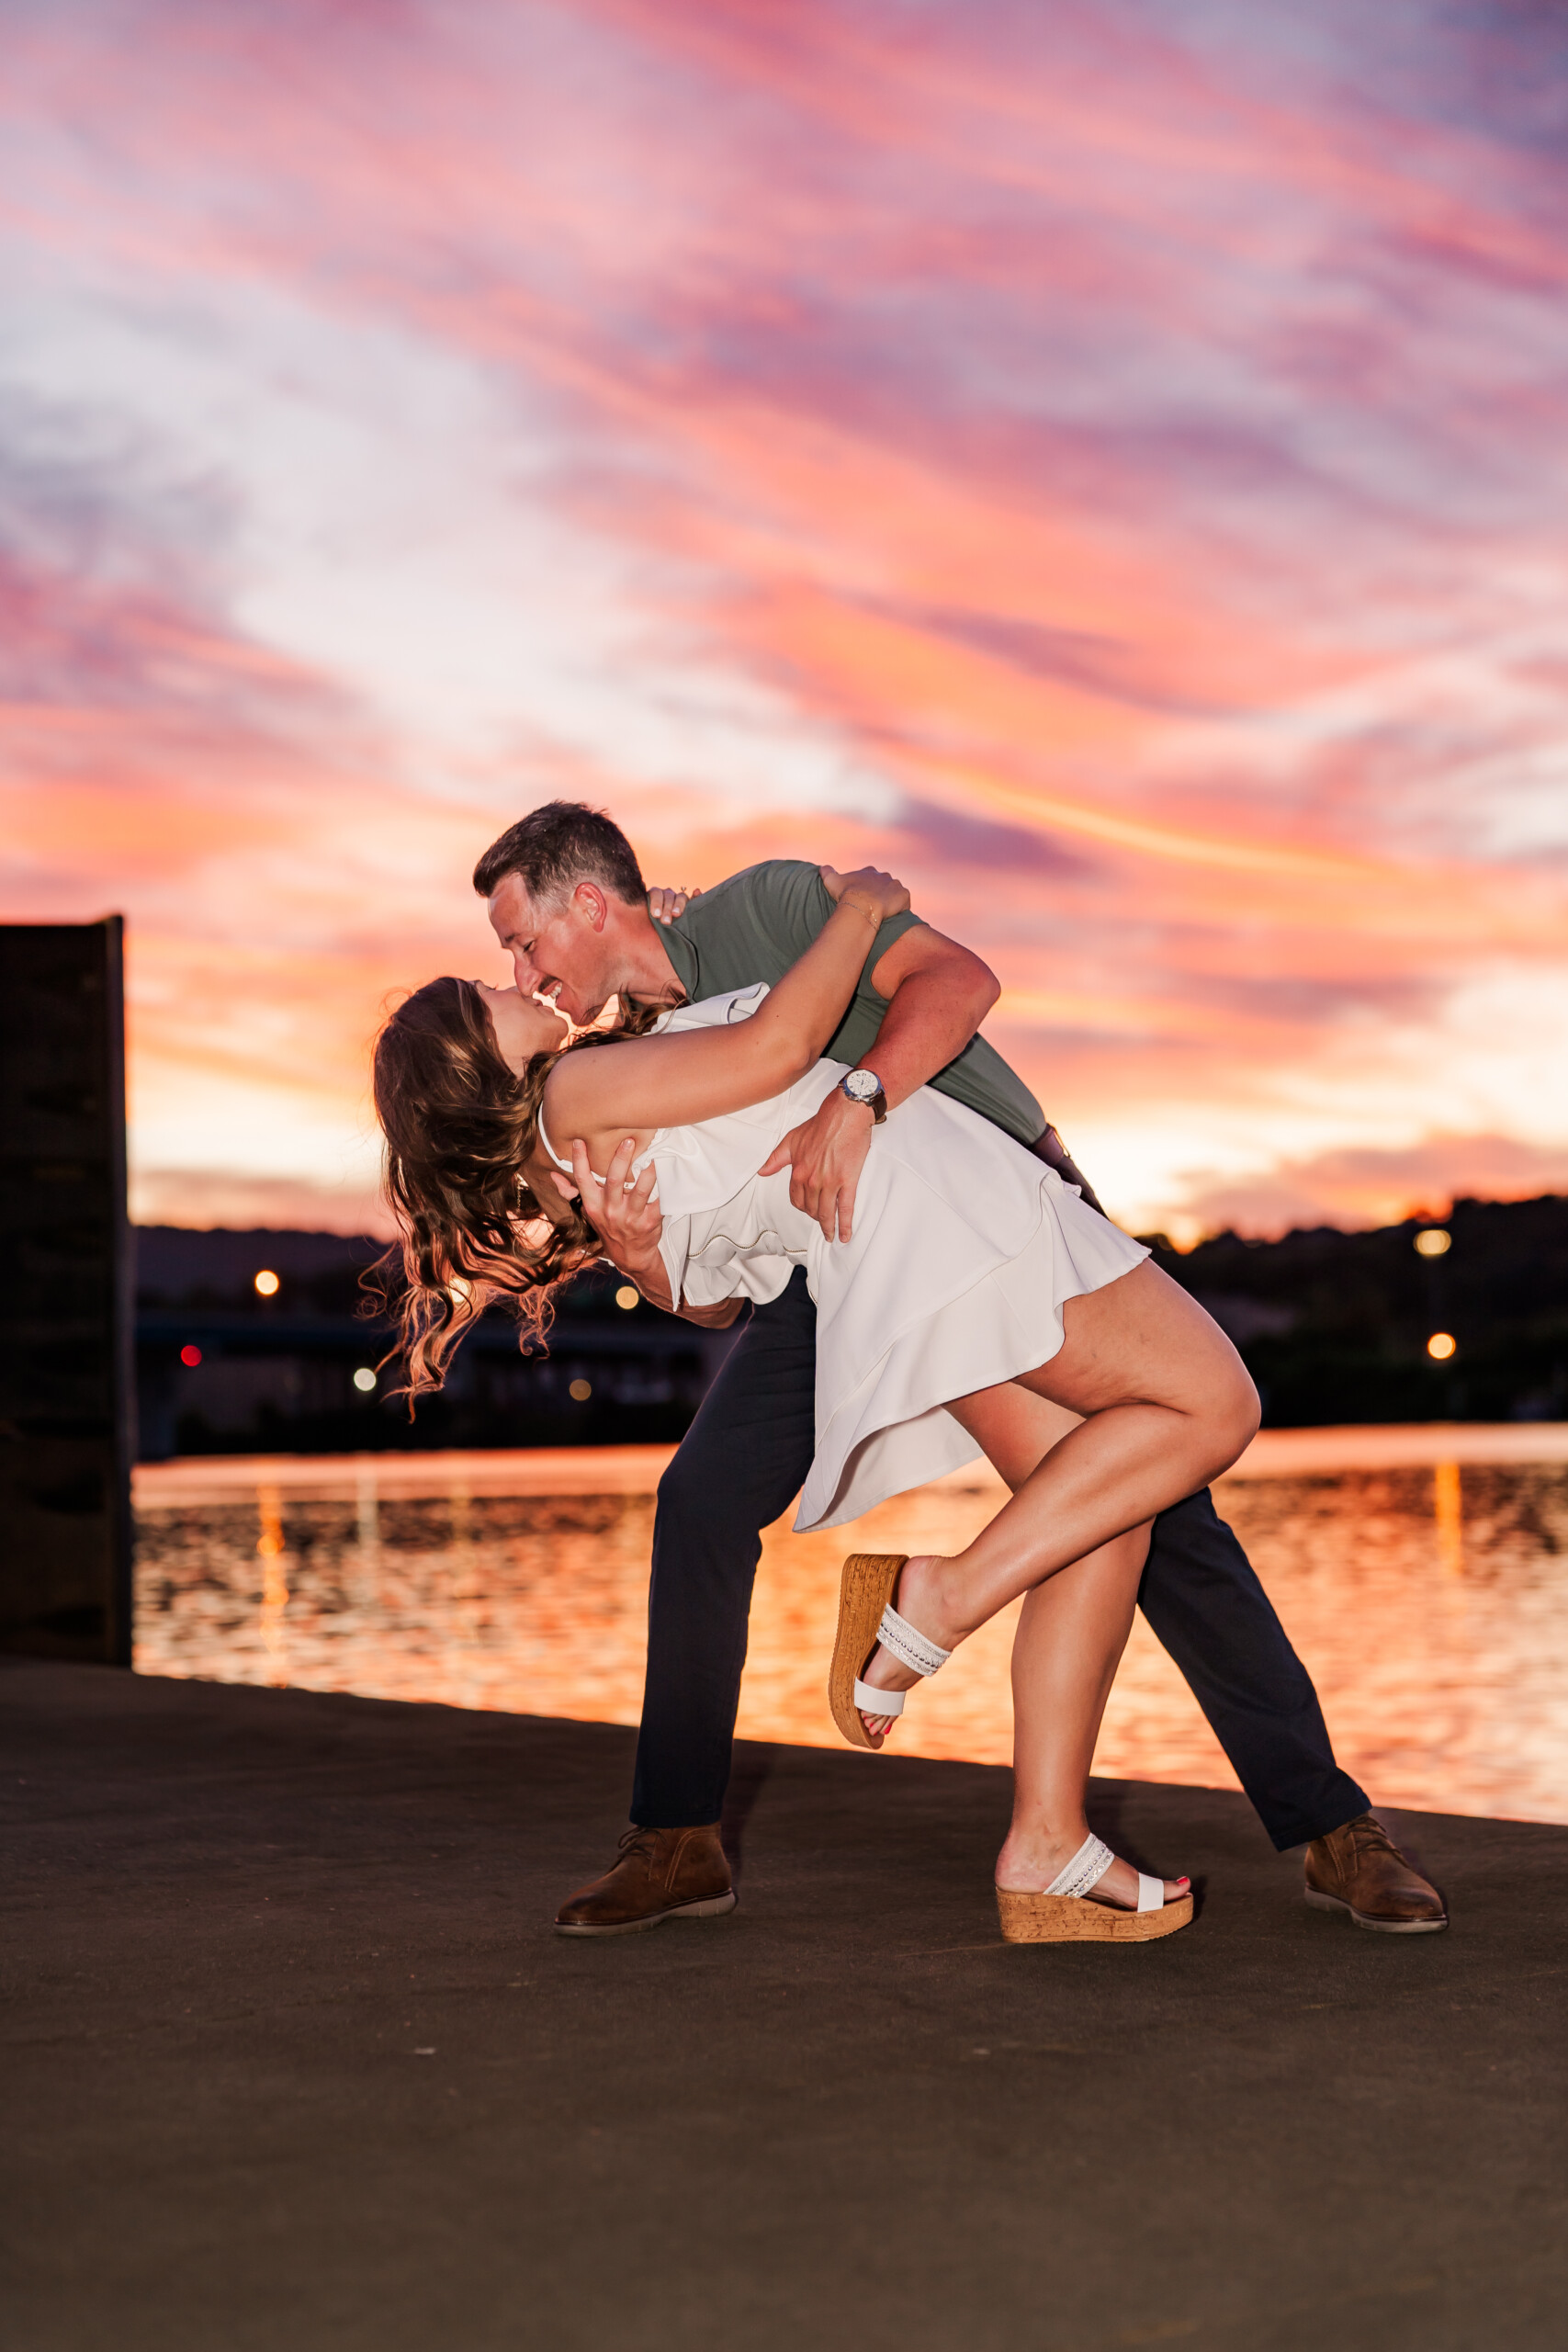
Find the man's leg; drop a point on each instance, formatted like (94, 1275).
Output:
(1206, 1605)
(742, 1460)
(1260, 1701)
(740, 1463)
(1202, 1598)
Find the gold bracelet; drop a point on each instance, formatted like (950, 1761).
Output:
(875, 921)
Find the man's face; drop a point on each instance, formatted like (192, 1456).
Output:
(564, 947)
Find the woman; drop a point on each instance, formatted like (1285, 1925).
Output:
(977, 1293)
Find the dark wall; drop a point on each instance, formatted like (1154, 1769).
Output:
(65, 1392)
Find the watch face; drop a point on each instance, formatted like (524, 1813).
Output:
(863, 1085)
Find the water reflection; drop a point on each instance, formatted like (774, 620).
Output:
(275, 1586)
(1430, 1602)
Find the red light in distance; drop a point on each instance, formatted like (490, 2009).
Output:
(191, 1356)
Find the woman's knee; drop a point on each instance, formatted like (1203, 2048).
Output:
(1232, 1409)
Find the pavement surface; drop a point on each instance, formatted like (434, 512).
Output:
(293, 2059)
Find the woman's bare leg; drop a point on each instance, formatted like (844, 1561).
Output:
(1070, 1637)
(1167, 1405)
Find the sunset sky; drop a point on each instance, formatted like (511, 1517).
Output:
(1107, 461)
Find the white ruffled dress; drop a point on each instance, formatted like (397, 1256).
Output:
(965, 1248)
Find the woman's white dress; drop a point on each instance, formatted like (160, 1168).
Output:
(964, 1248)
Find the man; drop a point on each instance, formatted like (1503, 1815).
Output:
(566, 899)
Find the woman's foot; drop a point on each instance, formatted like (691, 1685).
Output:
(919, 1597)
(1030, 1862)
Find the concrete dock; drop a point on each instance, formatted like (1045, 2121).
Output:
(293, 2059)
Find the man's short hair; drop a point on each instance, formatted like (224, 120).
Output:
(552, 849)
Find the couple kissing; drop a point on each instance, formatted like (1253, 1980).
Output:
(793, 1119)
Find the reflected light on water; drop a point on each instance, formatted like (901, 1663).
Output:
(1429, 1601)
(271, 1546)
(1447, 1517)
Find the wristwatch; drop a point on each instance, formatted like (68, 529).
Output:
(865, 1086)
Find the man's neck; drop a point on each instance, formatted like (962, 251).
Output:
(646, 973)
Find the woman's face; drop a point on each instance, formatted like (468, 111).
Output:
(522, 1028)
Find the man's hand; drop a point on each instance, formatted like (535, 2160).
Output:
(939, 995)
(664, 904)
(825, 1157)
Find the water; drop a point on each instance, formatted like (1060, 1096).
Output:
(1429, 1596)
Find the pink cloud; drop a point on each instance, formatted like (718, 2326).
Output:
(1360, 1187)
(1129, 445)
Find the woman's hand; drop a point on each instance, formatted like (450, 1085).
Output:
(664, 904)
(624, 1214)
(878, 895)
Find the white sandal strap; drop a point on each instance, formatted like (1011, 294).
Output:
(1086, 1870)
(909, 1645)
(878, 1703)
(1151, 1892)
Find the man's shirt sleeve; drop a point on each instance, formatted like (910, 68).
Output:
(788, 902)
(759, 922)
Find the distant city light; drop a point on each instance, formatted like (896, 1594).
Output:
(191, 1356)
(625, 1296)
(364, 1380)
(266, 1284)
(1442, 1345)
(581, 1391)
(1434, 1242)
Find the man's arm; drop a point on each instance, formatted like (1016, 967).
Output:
(939, 995)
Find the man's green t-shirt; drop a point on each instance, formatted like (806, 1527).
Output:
(757, 924)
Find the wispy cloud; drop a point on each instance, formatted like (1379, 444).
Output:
(1115, 460)
(1358, 1186)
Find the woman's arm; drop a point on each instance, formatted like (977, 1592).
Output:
(702, 1073)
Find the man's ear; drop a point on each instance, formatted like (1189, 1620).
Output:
(591, 903)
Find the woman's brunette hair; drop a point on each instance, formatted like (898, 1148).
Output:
(459, 1124)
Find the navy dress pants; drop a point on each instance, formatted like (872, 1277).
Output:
(742, 1462)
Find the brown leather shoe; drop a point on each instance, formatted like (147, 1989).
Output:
(1360, 1868)
(661, 1875)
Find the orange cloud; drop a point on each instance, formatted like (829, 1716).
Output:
(1112, 464)
(1359, 1186)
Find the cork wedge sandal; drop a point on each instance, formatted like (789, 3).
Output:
(1063, 1914)
(866, 1616)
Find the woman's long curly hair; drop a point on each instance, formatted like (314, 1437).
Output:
(459, 1124)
